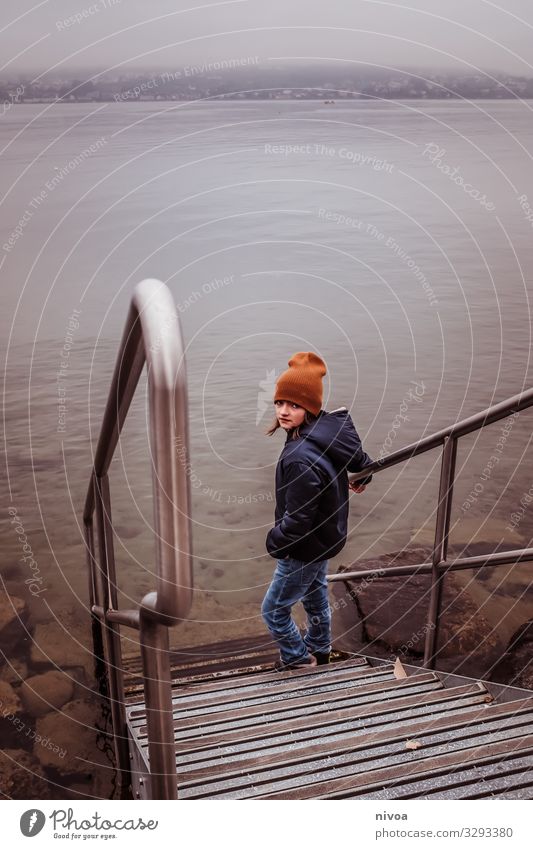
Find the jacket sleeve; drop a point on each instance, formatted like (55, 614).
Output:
(359, 458)
(304, 486)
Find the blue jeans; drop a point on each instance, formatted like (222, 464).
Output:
(295, 581)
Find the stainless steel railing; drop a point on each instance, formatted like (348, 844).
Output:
(439, 565)
(152, 336)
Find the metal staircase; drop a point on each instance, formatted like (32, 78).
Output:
(348, 729)
(216, 721)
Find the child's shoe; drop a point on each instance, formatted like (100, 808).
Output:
(322, 657)
(306, 663)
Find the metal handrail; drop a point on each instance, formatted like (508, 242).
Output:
(152, 336)
(438, 565)
(492, 414)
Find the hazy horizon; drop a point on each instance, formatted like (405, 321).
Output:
(350, 68)
(57, 37)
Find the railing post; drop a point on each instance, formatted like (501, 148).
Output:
(111, 631)
(440, 547)
(152, 336)
(155, 655)
(94, 597)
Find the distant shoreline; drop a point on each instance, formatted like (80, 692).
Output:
(221, 99)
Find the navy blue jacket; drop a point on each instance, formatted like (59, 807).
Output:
(312, 488)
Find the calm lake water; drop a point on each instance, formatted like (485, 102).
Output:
(392, 238)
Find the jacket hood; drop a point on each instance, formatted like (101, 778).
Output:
(334, 434)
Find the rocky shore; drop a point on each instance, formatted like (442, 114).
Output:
(54, 726)
(56, 737)
(387, 617)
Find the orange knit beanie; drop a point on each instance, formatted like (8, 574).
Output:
(302, 382)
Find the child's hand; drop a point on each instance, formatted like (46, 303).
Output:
(357, 487)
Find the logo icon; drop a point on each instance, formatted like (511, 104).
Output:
(32, 822)
(267, 387)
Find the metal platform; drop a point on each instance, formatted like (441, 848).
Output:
(345, 730)
(215, 721)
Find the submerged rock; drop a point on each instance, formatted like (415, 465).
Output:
(14, 615)
(516, 667)
(14, 671)
(42, 693)
(390, 614)
(68, 739)
(9, 701)
(22, 777)
(63, 647)
(13, 570)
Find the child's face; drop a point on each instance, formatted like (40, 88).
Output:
(289, 415)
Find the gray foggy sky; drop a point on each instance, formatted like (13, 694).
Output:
(60, 36)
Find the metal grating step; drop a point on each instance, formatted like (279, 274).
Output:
(315, 690)
(206, 662)
(259, 680)
(370, 693)
(222, 759)
(216, 661)
(362, 692)
(215, 671)
(327, 721)
(398, 766)
(339, 731)
(207, 653)
(306, 770)
(459, 783)
(199, 702)
(446, 771)
(521, 793)
(502, 777)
